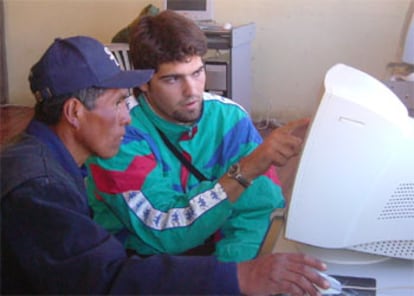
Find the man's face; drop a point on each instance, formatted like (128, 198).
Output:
(175, 91)
(104, 126)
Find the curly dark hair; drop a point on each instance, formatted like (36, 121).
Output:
(166, 37)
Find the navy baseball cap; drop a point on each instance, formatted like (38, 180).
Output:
(79, 62)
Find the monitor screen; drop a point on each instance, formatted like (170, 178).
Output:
(354, 187)
(186, 5)
(198, 10)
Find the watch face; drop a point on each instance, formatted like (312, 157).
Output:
(234, 169)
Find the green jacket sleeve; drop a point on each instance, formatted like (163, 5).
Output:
(135, 193)
(245, 230)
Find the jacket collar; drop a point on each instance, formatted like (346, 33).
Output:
(44, 134)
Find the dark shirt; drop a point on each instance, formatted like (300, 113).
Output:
(50, 244)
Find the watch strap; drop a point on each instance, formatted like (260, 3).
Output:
(235, 173)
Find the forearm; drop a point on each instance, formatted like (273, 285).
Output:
(251, 167)
(276, 149)
(243, 232)
(162, 274)
(172, 227)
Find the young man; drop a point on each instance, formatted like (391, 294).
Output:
(147, 196)
(50, 244)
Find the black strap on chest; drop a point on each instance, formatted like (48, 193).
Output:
(182, 158)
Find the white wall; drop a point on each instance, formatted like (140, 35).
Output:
(296, 41)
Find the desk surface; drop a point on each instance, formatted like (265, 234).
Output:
(394, 276)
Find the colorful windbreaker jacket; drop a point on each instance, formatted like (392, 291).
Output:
(150, 200)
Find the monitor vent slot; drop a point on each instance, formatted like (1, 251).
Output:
(399, 248)
(401, 203)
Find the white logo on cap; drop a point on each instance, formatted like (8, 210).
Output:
(111, 56)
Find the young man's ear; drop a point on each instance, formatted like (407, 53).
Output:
(141, 89)
(71, 112)
(144, 87)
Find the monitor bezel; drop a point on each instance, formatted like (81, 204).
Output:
(196, 15)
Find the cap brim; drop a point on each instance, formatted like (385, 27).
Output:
(127, 79)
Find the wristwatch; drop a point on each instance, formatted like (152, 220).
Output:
(234, 172)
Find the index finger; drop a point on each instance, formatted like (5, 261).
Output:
(293, 126)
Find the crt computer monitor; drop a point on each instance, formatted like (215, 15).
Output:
(197, 10)
(354, 187)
